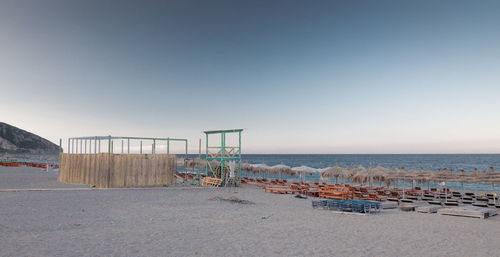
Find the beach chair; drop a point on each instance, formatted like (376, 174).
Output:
(333, 192)
(433, 202)
(450, 203)
(277, 189)
(349, 205)
(374, 197)
(319, 204)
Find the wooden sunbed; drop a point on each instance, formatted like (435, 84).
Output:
(468, 211)
(278, 189)
(333, 192)
(428, 209)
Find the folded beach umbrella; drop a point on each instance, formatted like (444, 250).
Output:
(490, 170)
(261, 168)
(423, 175)
(491, 176)
(462, 177)
(475, 172)
(444, 175)
(491, 173)
(379, 174)
(494, 181)
(280, 168)
(332, 172)
(246, 167)
(359, 174)
(397, 174)
(411, 176)
(305, 169)
(346, 174)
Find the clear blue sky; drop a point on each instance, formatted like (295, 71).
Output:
(300, 76)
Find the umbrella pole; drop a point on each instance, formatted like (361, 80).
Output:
(462, 195)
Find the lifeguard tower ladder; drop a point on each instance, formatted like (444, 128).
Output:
(228, 158)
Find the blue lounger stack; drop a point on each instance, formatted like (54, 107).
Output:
(347, 205)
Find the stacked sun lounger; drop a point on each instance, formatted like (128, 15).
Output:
(335, 192)
(348, 205)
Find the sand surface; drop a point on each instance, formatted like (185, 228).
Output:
(27, 177)
(184, 222)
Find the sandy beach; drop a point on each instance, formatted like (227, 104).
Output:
(177, 221)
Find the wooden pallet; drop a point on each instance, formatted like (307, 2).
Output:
(208, 181)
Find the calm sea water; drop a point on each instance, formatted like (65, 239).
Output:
(409, 161)
(433, 162)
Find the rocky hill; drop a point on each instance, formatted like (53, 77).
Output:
(16, 140)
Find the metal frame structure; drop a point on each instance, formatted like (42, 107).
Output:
(223, 153)
(78, 145)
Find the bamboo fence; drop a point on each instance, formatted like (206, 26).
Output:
(106, 170)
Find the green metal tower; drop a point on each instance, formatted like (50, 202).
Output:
(224, 155)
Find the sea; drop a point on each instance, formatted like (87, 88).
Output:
(433, 162)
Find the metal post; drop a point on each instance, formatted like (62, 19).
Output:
(85, 145)
(239, 161)
(109, 144)
(128, 145)
(99, 147)
(222, 152)
(168, 145)
(186, 156)
(199, 160)
(206, 153)
(69, 145)
(141, 148)
(122, 146)
(95, 144)
(199, 149)
(153, 148)
(81, 146)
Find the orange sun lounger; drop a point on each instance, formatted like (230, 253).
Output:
(334, 192)
(277, 189)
